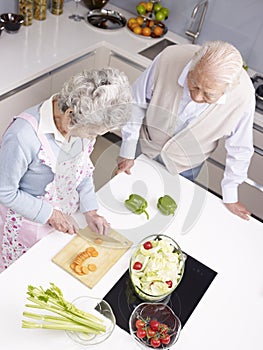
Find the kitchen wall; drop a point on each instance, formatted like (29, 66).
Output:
(237, 21)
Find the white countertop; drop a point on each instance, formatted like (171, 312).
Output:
(48, 44)
(229, 316)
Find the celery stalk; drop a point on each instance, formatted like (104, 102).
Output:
(70, 317)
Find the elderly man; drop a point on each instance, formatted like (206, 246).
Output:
(188, 99)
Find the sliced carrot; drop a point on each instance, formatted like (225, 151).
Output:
(84, 269)
(90, 249)
(92, 267)
(94, 253)
(73, 265)
(78, 269)
(98, 241)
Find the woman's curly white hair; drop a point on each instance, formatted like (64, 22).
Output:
(98, 97)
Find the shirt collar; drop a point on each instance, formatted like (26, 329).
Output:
(46, 121)
(182, 81)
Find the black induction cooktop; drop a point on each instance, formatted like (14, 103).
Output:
(196, 280)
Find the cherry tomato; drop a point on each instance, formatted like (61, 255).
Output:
(154, 325)
(170, 283)
(163, 328)
(141, 333)
(147, 245)
(137, 265)
(165, 339)
(150, 332)
(155, 342)
(139, 324)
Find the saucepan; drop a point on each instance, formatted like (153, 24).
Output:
(259, 92)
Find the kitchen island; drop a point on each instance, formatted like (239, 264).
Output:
(229, 315)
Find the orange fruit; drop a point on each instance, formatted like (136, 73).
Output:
(133, 25)
(140, 20)
(137, 30)
(146, 31)
(131, 21)
(158, 31)
(149, 6)
(151, 23)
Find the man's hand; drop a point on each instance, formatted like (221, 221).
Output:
(124, 165)
(238, 209)
(61, 222)
(97, 223)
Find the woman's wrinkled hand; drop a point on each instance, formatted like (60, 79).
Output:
(239, 210)
(97, 223)
(124, 165)
(62, 222)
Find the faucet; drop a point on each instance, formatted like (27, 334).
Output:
(194, 34)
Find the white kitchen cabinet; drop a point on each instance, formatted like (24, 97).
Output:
(132, 69)
(22, 98)
(65, 72)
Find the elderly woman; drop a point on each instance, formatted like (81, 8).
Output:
(45, 167)
(184, 103)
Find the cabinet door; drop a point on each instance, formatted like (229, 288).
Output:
(64, 73)
(23, 98)
(132, 69)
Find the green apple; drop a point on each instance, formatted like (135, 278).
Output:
(160, 16)
(166, 11)
(141, 9)
(157, 7)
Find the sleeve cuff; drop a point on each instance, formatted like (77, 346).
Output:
(128, 149)
(44, 213)
(230, 194)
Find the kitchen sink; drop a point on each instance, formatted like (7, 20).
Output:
(152, 51)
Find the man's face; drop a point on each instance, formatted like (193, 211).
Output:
(204, 89)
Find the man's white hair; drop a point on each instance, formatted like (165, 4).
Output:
(220, 61)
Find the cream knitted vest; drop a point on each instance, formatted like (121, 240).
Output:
(198, 140)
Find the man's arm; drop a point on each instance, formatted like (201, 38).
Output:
(239, 147)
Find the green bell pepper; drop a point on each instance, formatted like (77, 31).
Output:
(137, 204)
(166, 205)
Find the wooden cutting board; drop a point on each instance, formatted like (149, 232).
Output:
(107, 257)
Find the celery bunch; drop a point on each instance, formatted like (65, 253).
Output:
(70, 317)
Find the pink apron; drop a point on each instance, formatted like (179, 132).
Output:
(18, 234)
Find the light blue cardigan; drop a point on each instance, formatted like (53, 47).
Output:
(23, 177)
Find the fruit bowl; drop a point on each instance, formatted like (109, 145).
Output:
(146, 28)
(156, 267)
(154, 326)
(99, 309)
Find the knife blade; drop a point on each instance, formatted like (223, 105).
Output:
(89, 235)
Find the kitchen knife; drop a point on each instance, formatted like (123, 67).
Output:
(108, 240)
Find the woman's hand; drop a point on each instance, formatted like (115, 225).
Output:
(124, 165)
(239, 210)
(97, 223)
(62, 222)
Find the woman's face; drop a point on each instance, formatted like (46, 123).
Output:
(204, 89)
(88, 131)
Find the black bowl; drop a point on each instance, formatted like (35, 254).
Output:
(95, 4)
(2, 27)
(12, 22)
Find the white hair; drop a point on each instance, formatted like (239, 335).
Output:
(220, 61)
(97, 97)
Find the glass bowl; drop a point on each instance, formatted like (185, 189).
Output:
(156, 267)
(166, 326)
(99, 308)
